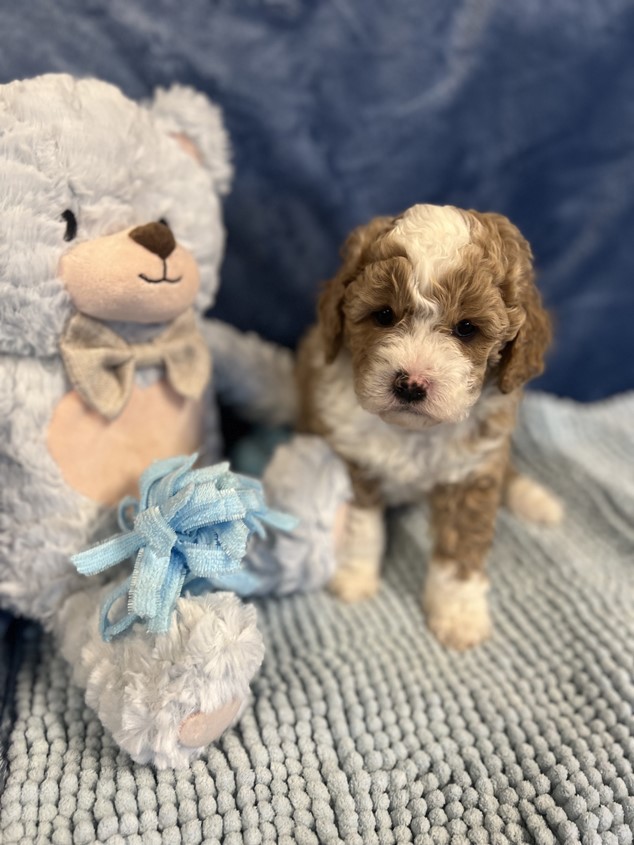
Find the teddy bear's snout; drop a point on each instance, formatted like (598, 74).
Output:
(110, 278)
(155, 237)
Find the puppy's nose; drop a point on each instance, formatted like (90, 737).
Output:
(408, 389)
(156, 237)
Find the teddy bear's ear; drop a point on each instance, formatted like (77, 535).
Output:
(197, 125)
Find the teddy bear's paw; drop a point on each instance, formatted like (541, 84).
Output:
(165, 697)
(200, 729)
(304, 558)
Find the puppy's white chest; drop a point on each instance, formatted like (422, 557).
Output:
(407, 464)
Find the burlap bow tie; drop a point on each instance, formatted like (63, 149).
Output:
(101, 365)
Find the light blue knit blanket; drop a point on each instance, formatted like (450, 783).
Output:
(363, 729)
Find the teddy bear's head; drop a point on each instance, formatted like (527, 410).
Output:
(107, 206)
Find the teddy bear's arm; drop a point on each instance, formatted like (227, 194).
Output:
(252, 376)
(7, 384)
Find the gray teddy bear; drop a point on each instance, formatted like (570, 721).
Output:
(111, 238)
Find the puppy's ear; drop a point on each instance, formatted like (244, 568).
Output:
(355, 254)
(523, 356)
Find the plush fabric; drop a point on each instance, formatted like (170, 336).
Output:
(101, 366)
(53, 156)
(187, 524)
(362, 729)
(78, 150)
(342, 109)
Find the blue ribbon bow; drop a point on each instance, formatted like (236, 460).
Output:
(187, 524)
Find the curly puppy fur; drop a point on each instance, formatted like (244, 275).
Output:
(413, 374)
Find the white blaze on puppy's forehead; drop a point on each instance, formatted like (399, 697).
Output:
(432, 236)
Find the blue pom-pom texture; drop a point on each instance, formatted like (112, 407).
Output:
(188, 524)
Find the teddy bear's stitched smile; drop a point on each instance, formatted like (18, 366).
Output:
(102, 275)
(164, 277)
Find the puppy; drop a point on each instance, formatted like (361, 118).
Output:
(413, 374)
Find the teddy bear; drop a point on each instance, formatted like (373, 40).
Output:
(111, 238)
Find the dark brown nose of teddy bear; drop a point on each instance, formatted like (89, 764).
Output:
(157, 237)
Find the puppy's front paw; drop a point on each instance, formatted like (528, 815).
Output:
(457, 610)
(352, 585)
(360, 539)
(460, 628)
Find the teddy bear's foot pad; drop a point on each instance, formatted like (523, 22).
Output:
(164, 697)
(200, 729)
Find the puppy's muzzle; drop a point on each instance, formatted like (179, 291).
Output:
(407, 389)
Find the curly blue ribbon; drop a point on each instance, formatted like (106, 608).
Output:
(187, 524)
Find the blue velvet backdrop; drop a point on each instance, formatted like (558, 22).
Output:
(342, 109)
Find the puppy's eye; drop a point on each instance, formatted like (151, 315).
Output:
(384, 317)
(71, 225)
(164, 222)
(465, 330)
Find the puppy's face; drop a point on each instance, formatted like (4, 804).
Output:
(432, 305)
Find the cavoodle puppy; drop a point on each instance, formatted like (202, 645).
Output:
(413, 374)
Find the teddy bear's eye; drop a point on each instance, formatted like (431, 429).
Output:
(71, 225)
(164, 222)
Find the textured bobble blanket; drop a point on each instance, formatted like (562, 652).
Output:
(362, 729)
